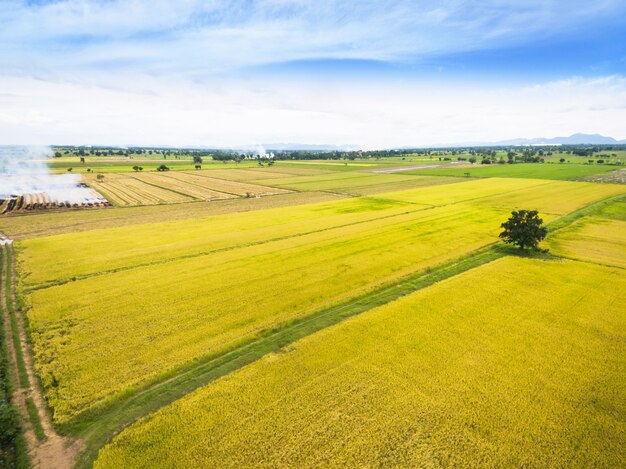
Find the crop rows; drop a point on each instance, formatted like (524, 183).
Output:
(204, 179)
(173, 187)
(124, 189)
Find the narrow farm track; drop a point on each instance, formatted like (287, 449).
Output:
(48, 449)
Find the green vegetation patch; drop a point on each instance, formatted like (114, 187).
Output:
(520, 170)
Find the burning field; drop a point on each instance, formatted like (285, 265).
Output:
(26, 184)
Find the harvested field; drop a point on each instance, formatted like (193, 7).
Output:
(222, 185)
(252, 174)
(612, 177)
(153, 188)
(125, 189)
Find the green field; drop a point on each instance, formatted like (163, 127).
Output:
(521, 170)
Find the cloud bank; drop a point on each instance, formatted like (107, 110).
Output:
(222, 73)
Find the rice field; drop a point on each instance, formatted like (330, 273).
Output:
(555, 170)
(134, 306)
(175, 292)
(53, 258)
(357, 183)
(150, 188)
(160, 317)
(594, 239)
(518, 363)
(38, 224)
(549, 197)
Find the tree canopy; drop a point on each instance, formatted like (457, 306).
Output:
(524, 229)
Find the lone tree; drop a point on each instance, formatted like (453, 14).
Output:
(523, 229)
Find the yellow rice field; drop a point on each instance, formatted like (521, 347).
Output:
(39, 224)
(593, 239)
(518, 363)
(140, 323)
(171, 293)
(52, 258)
(49, 259)
(357, 183)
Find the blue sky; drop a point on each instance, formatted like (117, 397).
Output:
(369, 73)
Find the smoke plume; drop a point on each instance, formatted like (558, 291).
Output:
(23, 170)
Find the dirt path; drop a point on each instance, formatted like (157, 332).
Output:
(54, 451)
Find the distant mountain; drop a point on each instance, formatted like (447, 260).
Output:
(576, 139)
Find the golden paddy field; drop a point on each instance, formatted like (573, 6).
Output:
(518, 363)
(180, 291)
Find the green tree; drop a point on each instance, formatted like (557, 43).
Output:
(524, 229)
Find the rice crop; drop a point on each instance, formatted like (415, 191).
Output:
(518, 363)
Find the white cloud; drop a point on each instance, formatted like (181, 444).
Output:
(182, 72)
(249, 112)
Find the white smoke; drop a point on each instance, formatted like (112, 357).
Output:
(261, 153)
(23, 170)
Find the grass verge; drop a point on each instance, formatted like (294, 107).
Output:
(13, 447)
(34, 419)
(19, 355)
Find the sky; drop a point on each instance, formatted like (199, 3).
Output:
(368, 74)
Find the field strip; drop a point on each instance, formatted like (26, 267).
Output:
(195, 184)
(47, 449)
(176, 384)
(409, 168)
(208, 176)
(166, 188)
(43, 286)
